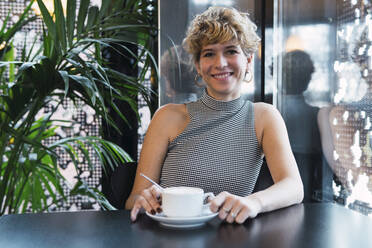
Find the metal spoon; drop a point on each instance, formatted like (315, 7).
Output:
(157, 185)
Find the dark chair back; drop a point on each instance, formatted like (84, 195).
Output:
(264, 179)
(121, 183)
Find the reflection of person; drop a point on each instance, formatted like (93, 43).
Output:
(346, 127)
(178, 76)
(301, 118)
(217, 143)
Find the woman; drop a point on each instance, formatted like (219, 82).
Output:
(217, 143)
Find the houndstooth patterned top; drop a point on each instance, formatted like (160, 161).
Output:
(218, 150)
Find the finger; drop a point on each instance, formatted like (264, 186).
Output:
(151, 201)
(225, 209)
(222, 214)
(228, 204)
(134, 212)
(146, 205)
(234, 212)
(218, 201)
(242, 216)
(156, 193)
(209, 197)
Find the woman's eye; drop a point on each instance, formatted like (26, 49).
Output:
(207, 54)
(232, 52)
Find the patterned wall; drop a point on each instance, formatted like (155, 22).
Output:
(351, 116)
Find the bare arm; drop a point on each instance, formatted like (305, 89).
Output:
(326, 135)
(166, 124)
(288, 188)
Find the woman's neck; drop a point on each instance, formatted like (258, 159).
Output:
(223, 97)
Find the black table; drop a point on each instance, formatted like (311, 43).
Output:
(305, 225)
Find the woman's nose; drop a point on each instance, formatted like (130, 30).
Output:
(220, 61)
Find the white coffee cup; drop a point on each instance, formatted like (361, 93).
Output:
(184, 201)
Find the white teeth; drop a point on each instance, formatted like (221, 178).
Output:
(222, 75)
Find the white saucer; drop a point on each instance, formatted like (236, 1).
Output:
(189, 222)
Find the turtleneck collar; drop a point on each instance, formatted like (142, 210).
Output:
(220, 105)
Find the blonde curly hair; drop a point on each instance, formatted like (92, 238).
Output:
(219, 25)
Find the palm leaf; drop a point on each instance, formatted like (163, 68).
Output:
(70, 20)
(82, 188)
(60, 24)
(22, 21)
(104, 8)
(83, 10)
(48, 20)
(92, 17)
(3, 27)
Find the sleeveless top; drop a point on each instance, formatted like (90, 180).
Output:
(218, 150)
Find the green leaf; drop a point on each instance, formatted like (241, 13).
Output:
(97, 149)
(92, 17)
(85, 152)
(64, 75)
(5, 22)
(104, 8)
(60, 24)
(25, 198)
(23, 20)
(117, 110)
(28, 57)
(47, 184)
(51, 171)
(71, 152)
(48, 20)
(83, 10)
(126, 26)
(131, 3)
(36, 192)
(70, 20)
(9, 56)
(87, 85)
(82, 188)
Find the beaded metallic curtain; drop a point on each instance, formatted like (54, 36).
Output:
(351, 116)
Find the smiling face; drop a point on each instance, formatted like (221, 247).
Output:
(222, 67)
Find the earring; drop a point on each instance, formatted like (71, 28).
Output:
(250, 76)
(196, 80)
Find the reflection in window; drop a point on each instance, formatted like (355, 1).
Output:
(349, 118)
(314, 40)
(341, 91)
(303, 87)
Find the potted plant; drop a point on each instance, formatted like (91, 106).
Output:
(69, 64)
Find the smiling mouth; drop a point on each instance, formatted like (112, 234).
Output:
(222, 75)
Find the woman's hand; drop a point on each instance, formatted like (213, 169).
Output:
(234, 208)
(149, 200)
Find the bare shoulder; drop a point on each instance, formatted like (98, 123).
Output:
(170, 120)
(265, 112)
(171, 112)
